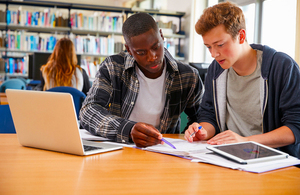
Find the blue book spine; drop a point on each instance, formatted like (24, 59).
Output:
(76, 20)
(46, 43)
(23, 68)
(26, 41)
(51, 43)
(36, 21)
(6, 66)
(43, 20)
(8, 17)
(53, 20)
(31, 42)
(11, 65)
(33, 19)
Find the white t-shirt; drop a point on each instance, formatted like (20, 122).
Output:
(151, 99)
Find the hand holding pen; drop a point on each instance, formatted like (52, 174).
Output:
(144, 135)
(195, 132)
(199, 128)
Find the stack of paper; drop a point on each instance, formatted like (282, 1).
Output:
(197, 152)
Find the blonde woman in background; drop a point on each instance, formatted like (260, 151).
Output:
(62, 69)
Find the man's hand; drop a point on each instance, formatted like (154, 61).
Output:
(226, 137)
(144, 135)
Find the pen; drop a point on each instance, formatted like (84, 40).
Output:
(199, 128)
(164, 140)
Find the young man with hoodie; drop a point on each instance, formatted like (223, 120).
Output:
(252, 92)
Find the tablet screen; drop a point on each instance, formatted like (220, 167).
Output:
(247, 151)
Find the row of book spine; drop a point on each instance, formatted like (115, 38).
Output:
(97, 22)
(94, 44)
(20, 40)
(46, 18)
(16, 66)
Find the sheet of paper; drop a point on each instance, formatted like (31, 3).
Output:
(85, 135)
(183, 147)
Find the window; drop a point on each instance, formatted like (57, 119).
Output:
(249, 13)
(279, 25)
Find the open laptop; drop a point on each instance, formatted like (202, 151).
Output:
(47, 120)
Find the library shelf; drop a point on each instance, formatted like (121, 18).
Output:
(69, 29)
(38, 28)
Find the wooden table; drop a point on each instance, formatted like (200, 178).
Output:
(3, 99)
(129, 171)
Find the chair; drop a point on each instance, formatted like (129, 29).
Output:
(6, 121)
(12, 84)
(24, 80)
(33, 84)
(184, 121)
(78, 96)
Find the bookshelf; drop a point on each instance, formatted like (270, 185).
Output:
(34, 26)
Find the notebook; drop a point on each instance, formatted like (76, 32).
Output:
(47, 120)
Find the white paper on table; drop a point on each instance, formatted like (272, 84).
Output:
(85, 135)
(198, 153)
(183, 147)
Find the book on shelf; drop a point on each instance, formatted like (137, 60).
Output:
(97, 22)
(2, 16)
(46, 18)
(2, 39)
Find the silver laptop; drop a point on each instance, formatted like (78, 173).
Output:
(47, 120)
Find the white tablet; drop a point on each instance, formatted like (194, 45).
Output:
(248, 152)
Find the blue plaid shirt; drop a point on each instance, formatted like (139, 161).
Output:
(111, 99)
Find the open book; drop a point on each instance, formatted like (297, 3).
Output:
(197, 152)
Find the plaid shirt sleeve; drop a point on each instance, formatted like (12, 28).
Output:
(100, 112)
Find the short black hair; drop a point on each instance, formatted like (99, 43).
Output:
(138, 24)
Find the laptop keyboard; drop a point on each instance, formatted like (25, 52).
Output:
(89, 148)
